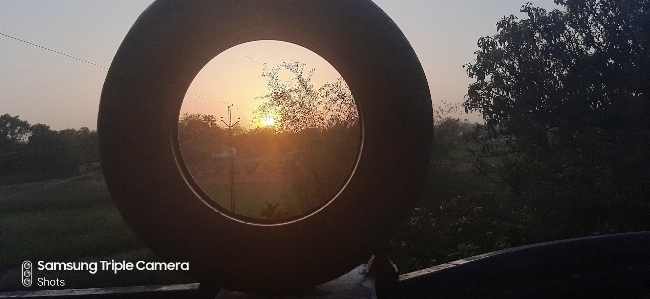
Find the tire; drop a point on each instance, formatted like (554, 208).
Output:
(138, 118)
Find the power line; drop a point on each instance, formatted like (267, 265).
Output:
(243, 116)
(54, 51)
(103, 67)
(210, 99)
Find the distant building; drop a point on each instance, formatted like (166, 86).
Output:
(224, 152)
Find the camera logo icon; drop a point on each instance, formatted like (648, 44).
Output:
(27, 274)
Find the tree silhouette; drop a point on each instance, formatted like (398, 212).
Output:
(12, 131)
(300, 106)
(319, 129)
(565, 97)
(35, 152)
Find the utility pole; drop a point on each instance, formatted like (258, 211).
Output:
(230, 125)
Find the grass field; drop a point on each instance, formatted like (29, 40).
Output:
(70, 221)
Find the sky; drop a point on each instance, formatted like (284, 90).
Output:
(44, 87)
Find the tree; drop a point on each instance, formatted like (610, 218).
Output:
(200, 136)
(50, 154)
(13, 138)
(318, 128)
(82, 145)
(196, 125)
(34, 152)
(299, 106)
(463, 214)
(13, 130)
(566, 101)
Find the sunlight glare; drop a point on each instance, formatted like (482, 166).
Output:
(268, 121)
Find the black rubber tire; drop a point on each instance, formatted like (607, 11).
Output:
(162, 53)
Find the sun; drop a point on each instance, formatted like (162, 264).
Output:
(268, 121)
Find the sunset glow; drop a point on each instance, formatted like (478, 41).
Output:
(268, 121)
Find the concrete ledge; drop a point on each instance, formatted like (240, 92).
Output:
(606, 266)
